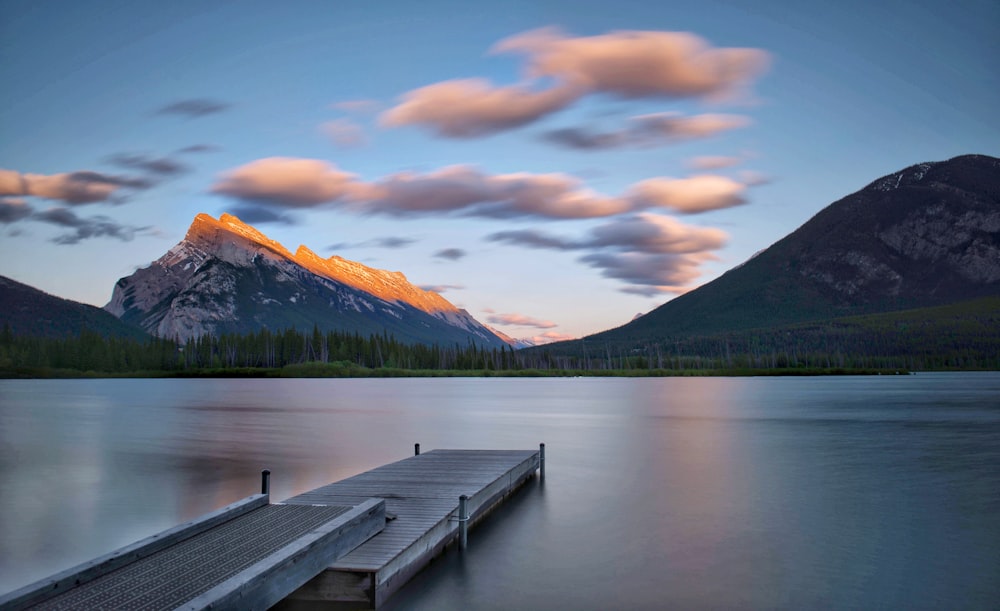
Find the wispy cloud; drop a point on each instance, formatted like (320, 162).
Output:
(249, 212)
(163, 166)
(13, 209)
(520, 320)
(451, 254)
(441, 288)
(560, 70)
(75, 188)
(550, 336)
(194, 107)
(713, 162)
(200, 148)
(390, 242)
(652, 253)
(87, 228)
(647, 131)
(344, 133)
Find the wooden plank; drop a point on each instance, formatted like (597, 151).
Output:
(44, 589)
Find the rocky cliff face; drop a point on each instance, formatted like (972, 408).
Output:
(927, 235)
(225, 276)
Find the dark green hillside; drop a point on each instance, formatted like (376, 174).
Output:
(928, 235)
(27, 311)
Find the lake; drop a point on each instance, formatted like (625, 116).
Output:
(685, 493)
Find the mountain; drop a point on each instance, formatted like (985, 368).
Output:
(227, 277)
(31, 312)
(925, 236)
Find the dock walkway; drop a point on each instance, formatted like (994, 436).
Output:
(248, 555)
(353, 542)
(422, 501)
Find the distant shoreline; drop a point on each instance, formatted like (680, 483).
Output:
(323, 370)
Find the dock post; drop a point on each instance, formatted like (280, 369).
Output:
(416, 449)
(463, 521)
(541, 461)
(265, 482)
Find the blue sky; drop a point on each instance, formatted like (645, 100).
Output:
(553, 167)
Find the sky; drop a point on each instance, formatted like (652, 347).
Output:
(554, 167)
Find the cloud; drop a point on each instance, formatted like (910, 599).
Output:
(451, 254)
(441, 288)
(649, 273)
(163, 166)
(86, 228)
(754, 179)
(688, 195)
(647, 131)
(532, 238)
(560, 70)
(83, 187)
(344, 133)
(474, 107)
(13, 209)
(652, 253)
(199, 148)
(644, 232)
(194, 107)
(255, 214)
(550, 336)
(655, 234)
(637, 64)
(391, 242)
(520, 320)
(713, 162)
(297, 183)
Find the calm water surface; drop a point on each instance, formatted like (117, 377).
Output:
(704, 493)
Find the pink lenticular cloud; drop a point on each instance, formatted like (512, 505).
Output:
(297, 183)
(561, 70)
(520, 320)
(688, 195)
(549, 337)
(474, 107)
(82, 187)
(634, 64)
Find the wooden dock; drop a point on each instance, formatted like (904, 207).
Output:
(422, 496)
(350, 544)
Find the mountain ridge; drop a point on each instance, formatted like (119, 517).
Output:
(926, 235)
(226, 276)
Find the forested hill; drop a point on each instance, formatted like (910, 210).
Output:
(27, 311)
(928, 235)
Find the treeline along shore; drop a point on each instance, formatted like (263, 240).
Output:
(841, 348)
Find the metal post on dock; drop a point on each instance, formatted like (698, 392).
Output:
(541, 461)
(416, 449)
(463, 521)
(265, 482)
